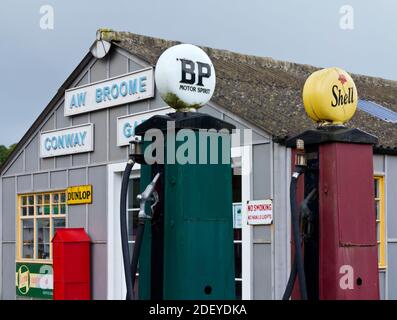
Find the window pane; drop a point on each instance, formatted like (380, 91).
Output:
(132, 217)
(133, 191)
(47, 204)
(377, 209)
(237, 209)
(24, 201)
(237, 234)
(39, 199)
(24, 211)
(55, 209)
(57, 223)
(46, 209)
(236, 187)
(63, 197)
(43, 251)
(63, 208)
(39, 210)
(376, 186)
(31, 211)
(30, 200)
(55, 198)
(238, 290)
(27, 239)
(237, 259)
(43, 238)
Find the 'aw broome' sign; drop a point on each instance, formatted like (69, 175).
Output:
(65, 141)
(131, 87)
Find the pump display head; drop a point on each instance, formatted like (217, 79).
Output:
(185, 77)
(330, 96)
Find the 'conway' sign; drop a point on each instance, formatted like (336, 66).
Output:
(65, 141)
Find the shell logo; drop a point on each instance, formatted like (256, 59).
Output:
(330, 96)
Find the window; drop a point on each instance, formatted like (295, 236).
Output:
(132, 218)
(380, 219)
(39, 216)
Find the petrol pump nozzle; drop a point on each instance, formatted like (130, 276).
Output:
(148, 195)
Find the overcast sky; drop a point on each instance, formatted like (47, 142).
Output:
(35, 62)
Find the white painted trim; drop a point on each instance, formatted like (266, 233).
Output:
(247, 230)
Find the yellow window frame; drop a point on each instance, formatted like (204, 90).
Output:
(51, 216)
(381, 221)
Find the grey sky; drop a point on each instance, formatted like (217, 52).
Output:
(34, 62)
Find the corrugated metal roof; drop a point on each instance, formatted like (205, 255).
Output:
(378, 111)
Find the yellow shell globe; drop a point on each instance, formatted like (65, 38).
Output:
(330, 96)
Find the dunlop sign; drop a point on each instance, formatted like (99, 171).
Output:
(79, 195)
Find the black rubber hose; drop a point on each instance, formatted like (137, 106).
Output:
(124, 230)
(137, 250)
(291, 281)
(298, 260)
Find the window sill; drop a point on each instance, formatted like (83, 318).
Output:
(41, 261)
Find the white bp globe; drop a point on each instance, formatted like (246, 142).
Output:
(185, 77)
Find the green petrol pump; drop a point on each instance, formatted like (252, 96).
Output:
(184, 240)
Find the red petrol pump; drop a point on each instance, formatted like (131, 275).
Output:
(332, 198)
